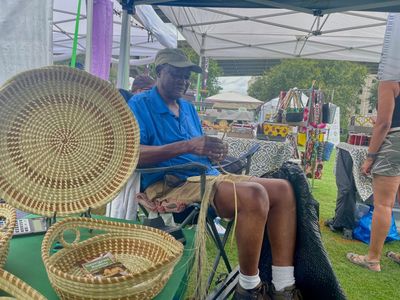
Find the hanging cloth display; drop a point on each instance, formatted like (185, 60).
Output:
(102, 38)
(390, 59)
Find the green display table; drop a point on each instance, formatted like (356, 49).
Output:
(25, 261)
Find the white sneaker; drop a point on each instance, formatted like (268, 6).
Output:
(220, 229)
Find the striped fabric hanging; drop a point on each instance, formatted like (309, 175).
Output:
(389, 66)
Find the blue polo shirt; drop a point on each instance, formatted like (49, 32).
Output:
(159, 126)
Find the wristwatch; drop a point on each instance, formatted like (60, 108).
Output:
(372, 155)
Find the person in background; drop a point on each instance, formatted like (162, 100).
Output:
(171, 134)
(383, 162)
(142, 83)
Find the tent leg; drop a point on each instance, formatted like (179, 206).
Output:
(89, 31)
(198, 84)
(123, 63)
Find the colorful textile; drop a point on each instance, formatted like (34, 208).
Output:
(161, 198)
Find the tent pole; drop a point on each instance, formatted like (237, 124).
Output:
(199, 80)
(89, 31)
(203, 39)
(76, 33)
(123, 62)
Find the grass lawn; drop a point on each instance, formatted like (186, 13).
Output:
(358, 283)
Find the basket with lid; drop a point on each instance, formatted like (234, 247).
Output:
(69, 143)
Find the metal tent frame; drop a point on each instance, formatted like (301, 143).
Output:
(319, 10)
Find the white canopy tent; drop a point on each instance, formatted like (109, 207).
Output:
(148, 33)
(233, 100)
(229, 114)
(238, 33)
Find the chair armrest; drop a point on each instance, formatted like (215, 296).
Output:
(245, 156)
(189, 166)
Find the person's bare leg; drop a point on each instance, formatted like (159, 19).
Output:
(253, 205)
(282, 220)
(398, 195)
(385, 189)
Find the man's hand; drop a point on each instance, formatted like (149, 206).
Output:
(209, 146)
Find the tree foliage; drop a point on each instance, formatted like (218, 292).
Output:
(373, 97)
(214, 71)
(344, 78)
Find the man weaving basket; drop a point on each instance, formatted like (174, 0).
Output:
(171, 134)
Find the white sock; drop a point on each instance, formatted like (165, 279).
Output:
(249, 282)
(282, 277)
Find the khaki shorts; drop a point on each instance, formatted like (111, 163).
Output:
(189, 191)
(387, 162)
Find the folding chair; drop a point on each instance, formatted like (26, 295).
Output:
(237, 165)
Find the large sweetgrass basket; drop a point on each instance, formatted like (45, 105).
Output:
(16, 288)
(148, 253)
(68, 142)
(8, 218)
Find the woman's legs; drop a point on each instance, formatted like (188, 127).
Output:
(385, 189)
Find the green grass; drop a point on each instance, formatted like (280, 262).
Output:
(358, 283)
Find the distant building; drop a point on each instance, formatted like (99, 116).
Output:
(365, 94)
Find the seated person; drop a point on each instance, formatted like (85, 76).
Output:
(171, 134)
(142, 83)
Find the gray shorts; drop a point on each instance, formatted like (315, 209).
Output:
(388, 161)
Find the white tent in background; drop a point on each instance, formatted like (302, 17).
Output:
(233, 100)
(229, 114)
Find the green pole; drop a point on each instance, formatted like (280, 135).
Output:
(75, 44)
(198, 94)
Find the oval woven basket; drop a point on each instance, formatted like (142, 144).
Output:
(148, 253)
(16, 288)
(69, 141)
(8, 215)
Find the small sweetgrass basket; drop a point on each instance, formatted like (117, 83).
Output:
(69, 143)
(8, 217)
(149, 254)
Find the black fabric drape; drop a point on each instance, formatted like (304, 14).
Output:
(346, 192)
(313, 270)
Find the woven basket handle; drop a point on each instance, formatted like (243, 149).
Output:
(7, 213)
(64, 243)
(56, 232)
